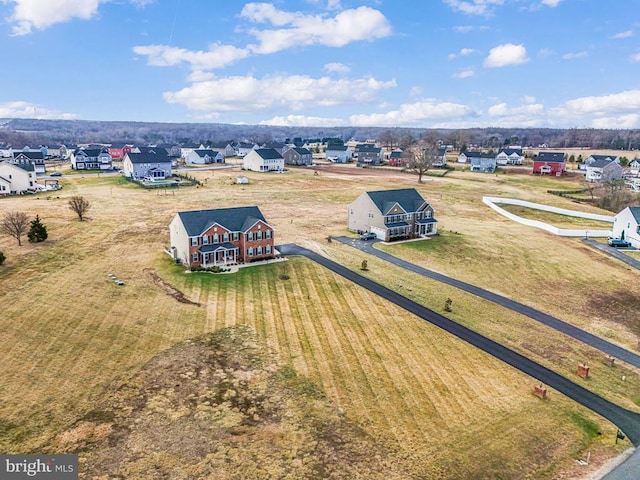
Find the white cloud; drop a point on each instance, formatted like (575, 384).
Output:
(528, 99)
(217, 56)
(529, 115)
(625, 34)
(297, 29)
(415, 114)
(41, 14)
(545, 52)
(336, 67)
(21, 109)
(635, 57)
(296, 92)
(505, 55)
(303, 121)
(463, 53)
(464, 74)
(473, 7)
(572, 56)
(551, 3)
(602, 106)
(630, 120)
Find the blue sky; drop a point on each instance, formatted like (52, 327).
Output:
(414, 63)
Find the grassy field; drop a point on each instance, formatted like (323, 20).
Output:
(72, 337)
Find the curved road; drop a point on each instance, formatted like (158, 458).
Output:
(548, 320)
(625, 420)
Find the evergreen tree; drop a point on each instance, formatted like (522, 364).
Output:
(37, 232)
(2, 258)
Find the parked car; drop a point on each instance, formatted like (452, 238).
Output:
(368, 236)
(618, 243)
(55, 174)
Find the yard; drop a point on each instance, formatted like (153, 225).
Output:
(73, 336)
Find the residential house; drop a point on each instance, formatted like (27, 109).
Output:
(149, 166)
(119, 150)
(278, 147)
(186, 149)
(17, 177)
(626, 225)
(392, 214)
(243, 148)
(6, 151)
(368, 154)
(338, 153)
(91, 159)
(397, 158)
(509, 156)
(603, 170)
(263, 160)
(441, 160)
(483, 162)
(634, 167)
(34, 158)
(222, 236)
(226, 148)
(593, 158)
(172, 149)
(297, 156)
(550, 163)
(202, 157)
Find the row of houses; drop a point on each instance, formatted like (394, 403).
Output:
(229, 236)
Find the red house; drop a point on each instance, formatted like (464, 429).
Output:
(550, 163)
(119, 151)
(397, 158)
(222, 236)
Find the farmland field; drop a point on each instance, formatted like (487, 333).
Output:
(71, 336)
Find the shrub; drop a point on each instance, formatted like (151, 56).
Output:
(2, 258)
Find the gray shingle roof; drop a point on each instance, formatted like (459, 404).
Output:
(202, 153)
(557, 157)
(408, 198)
(237, 219)
(635, 211)
(268, 153)
(148, 158)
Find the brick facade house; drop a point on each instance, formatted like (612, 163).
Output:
(219, 237)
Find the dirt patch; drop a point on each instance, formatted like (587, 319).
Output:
(621, 306)
(171, 291)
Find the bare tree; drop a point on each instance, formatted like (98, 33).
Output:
(14, 224)
(79, 205)
(422, 158)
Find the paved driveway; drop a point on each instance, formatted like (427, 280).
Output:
(549, 320)
(627, 421)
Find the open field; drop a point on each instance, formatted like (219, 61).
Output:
(72, 336)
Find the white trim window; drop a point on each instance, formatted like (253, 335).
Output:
(194, 241)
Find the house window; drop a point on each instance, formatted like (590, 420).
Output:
(267, 234)
(259, 251)
(250, 236)
(258, 235)
(216, 238)
(250, 252)
(194, 241)
(205, 240)
(194, 257)
(236, 236)
(226, 237)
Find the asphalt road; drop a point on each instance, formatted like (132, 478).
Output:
(551, 321)
(625, 420)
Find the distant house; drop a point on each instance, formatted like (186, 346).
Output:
(509, 156)
(186, 149)
(34, 158)
(441, 160)
(626, 225)
(243, 148)
(91, 159)
(6, 151)
(398, 158)
(16, 177)
(550, 163)
(482, 162)
(338, 153)
(297, 156)
(202, 157)
(118, 151)
(392, 214)
(149, 166)
(226, 148)
(594, 158)
(603, 170)
(263, 160)
(223, 236)
(368, 154)
(634, 167)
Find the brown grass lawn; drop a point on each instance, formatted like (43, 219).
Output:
(70, 336)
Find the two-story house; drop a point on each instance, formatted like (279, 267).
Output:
(550, 163)
(602, 170)
(16, 177)
(34, 158)
(510, 156)
(263, 160)
(146, 166)
(297, 156)
(91, 159)
(338, 153)
(222, 236)
(368, 154)
(202, 157)
(392, 214)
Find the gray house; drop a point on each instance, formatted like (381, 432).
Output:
(201, 157)
(602, 170)
(369, 154)
(338, 153)
(91, 159)
(392, 214)
(298, 156)
(482, 162)
(146, 166)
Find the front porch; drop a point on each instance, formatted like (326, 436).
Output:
(221, 254)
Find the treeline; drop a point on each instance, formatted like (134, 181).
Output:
(31, 131)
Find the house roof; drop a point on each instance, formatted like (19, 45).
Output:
(218, 246)
(557, 157)
(154, 150)
(148, 158)
(90, 152)
(203, 153)
(479, 155)
(237, 219)
(337, 148)
(30, 155)
(27, 167)
(603, 157)
(268, 153)
(510, 151)
(408, 198)
(301, 150)
(635, 211)
(600, 162)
